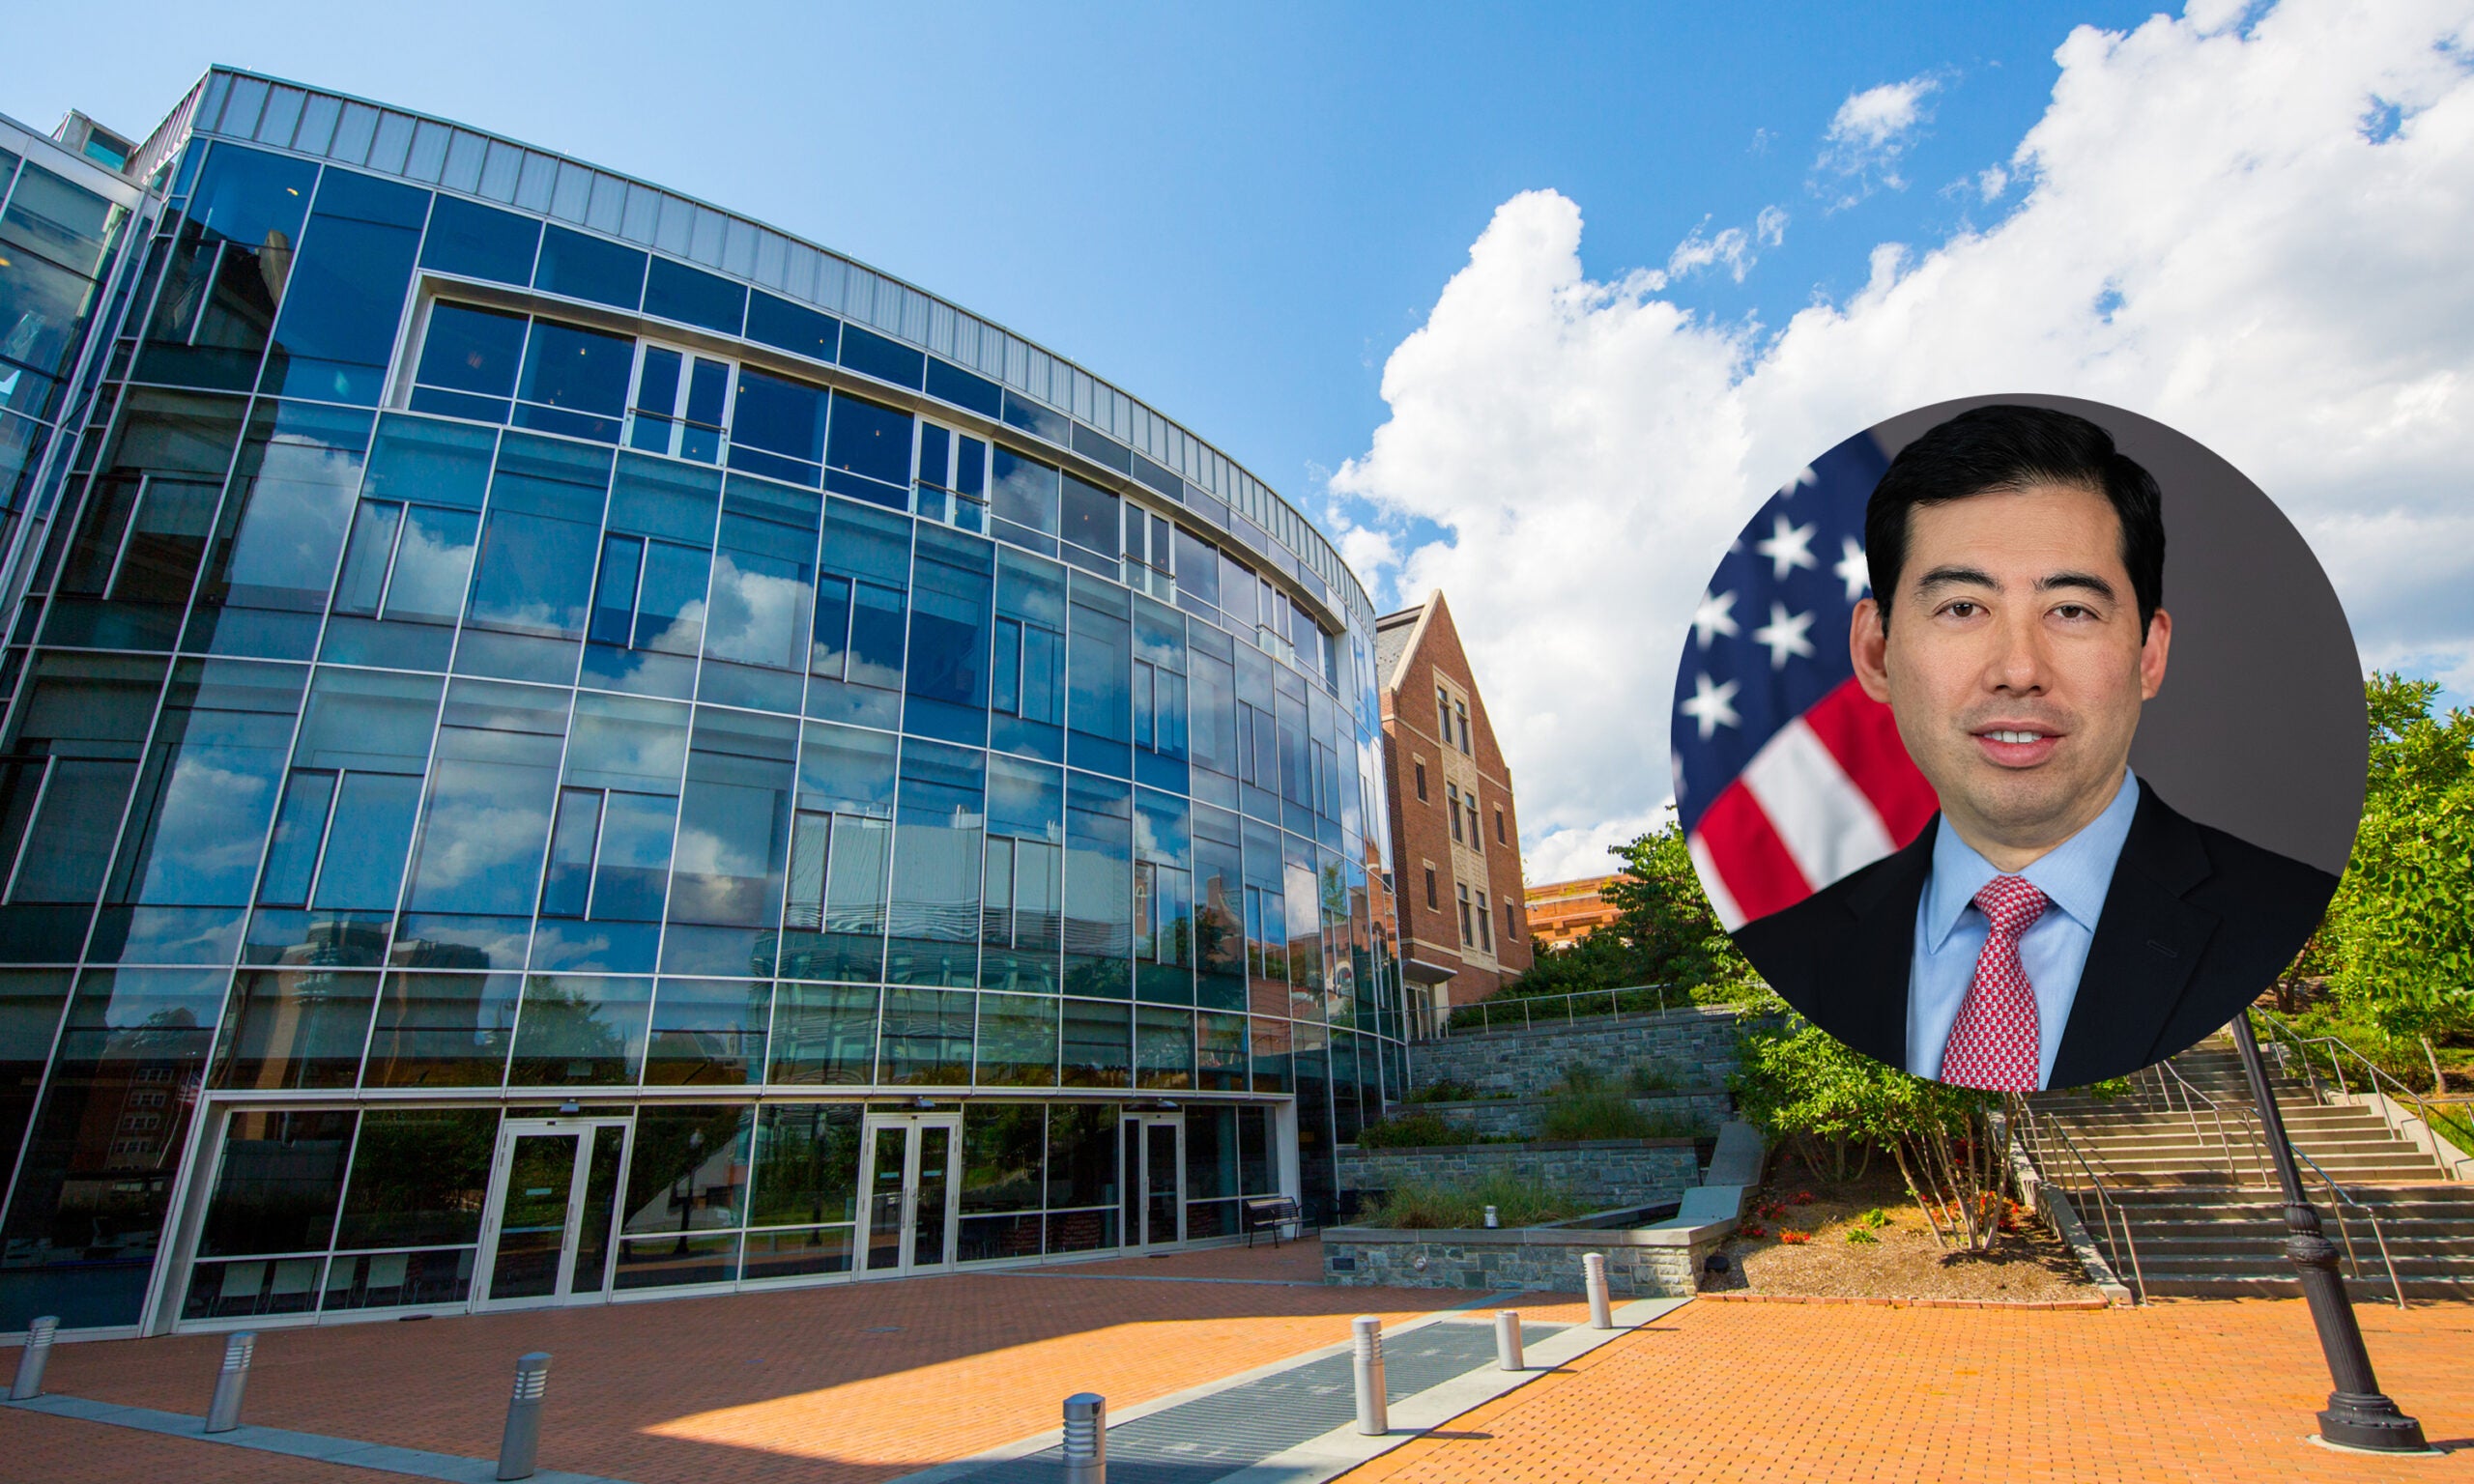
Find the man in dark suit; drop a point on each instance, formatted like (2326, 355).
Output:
(2058, 921)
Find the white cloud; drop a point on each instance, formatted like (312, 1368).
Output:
(1869, 134)
(2273, 284)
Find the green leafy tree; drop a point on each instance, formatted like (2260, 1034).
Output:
(2397, 944)
(1665, 932)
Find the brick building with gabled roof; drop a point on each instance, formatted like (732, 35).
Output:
(1455, 831)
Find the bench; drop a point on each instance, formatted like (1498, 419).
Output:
(1273, 1214)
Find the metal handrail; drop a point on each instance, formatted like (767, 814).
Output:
(2281, 1033)
(1570, 1001)
(2106, 1206)
(2344, 1198)
(2258, 1150)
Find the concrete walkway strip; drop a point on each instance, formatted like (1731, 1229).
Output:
(412, 1462)
(1292, 1421)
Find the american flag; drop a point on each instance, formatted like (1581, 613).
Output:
(1787, 775)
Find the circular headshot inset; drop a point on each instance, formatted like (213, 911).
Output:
(2019, 742)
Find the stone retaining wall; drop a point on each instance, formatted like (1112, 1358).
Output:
(1522, 1117)
(1695, 1047)
(1602, 1174)
(1644, 1262)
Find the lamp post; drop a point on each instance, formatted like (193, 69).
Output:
(2358, 1414)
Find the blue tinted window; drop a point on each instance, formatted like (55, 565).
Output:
(480, 242)
(534, 573)
(777, 422)
(1026, 493)
(583, 267)
(1103, 450)
(343, 298)
(1090, 517)
(792, 327)
(952, 383)
(367, 198)
(876, 356)
(433, 463)
(677, 292)
(950, 595)
(871, 441)
(1022, 412)
(582, 370)
(472, 349)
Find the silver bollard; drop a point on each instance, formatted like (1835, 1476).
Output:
(1086, 1439)
(1492, 1220)
(224, 1413)
(1373, 1413)
(1508, 1340)
(1602, 1313)
(34, 1357)
(521, 1447)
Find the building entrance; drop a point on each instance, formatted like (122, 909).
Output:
(910, 1180)
(553, 1204)
(1155, 1162)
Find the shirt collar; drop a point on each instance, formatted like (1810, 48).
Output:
(2074, 876)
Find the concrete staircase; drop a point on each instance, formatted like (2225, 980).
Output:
(2193, 1184)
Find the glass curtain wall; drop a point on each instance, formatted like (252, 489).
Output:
(411, 700)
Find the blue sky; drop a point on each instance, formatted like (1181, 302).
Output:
(1234, 212)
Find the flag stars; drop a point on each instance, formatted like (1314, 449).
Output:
(1714, 616)
(1851, 569)
(1712, 705)
(1790, 546)
(1785, 634)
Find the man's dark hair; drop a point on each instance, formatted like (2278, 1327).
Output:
(2005, 447)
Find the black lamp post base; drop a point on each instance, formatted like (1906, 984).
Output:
(2369, 1424)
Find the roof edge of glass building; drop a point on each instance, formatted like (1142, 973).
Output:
(1039, 393)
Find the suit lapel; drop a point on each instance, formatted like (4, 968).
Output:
(1882, 947)
(2148, 941)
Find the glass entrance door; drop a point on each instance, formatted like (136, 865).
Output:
(553, 1202)
(912, 1188)
(1155, 1162)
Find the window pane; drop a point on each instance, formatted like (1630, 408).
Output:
(1090, 517)
(927, 1037)
(1026, 493)
(292, 1029)
(477, 241)
(579, 1029)
(781, 419)
(476, 350)
(1221, 1053)
(443, 1030)
(951, 589)
(373, 826)
(1164, 1045)
(708, 1030)
(489, 802)
(1004, 1150)
(210, 783)
(537, 563)
(632, 873)
(688, 1171)
(870, 440)
(735, 821)
(430, 463)
(1099, 886)
(935, 925)
(343, 297)
(582, 266)
(582, 370)
(1016, 1041)
(567, 883)
(1081, 1154)
(825, 1034)
(300, 828)
(281, 530)
(674, 291)
(792, 327)
(762, 577)
(1097, 1044)
(277, 1187)
(806, 1165)
(418, 1178)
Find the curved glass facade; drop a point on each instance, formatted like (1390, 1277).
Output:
(537, 770)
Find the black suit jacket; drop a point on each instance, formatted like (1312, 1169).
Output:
(2196, 924)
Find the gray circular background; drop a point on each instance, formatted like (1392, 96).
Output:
(2260, 729)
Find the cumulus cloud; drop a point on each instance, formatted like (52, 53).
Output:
(2200, 230)
(1869, 134)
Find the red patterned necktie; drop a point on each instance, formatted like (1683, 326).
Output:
(1994, 1045)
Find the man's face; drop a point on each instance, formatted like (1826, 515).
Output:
(2014, 663)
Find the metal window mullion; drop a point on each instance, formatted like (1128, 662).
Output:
(326, 824)
(394, 550)
(42, 788)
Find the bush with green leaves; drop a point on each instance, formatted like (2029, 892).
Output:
(1445, 1091)
(1414, 1131)
(1433, 1205)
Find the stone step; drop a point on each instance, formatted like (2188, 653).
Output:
(2168, 1284)
(2439, 1238)
(2348, 1170)
(2452, 1255)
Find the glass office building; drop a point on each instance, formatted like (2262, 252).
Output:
(563, 744)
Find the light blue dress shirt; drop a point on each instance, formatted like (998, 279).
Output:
(1950, 930)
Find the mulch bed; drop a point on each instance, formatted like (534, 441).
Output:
(1904, 1265)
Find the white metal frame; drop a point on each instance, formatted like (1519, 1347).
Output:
(1138, 1179)
(688, 356)
(584, 1129)
(914, 1125)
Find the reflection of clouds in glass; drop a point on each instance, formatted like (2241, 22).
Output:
(210, 825)
(298, 506)
(757, 615)
(672, 636)
(432, 564)
(478, 832)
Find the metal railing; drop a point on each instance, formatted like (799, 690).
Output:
(1553, 1009)
(2255, 1134)
(2289, 1042)
(2039, 1129)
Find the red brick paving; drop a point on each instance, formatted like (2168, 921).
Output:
(2205, 1391)
(807, 1384)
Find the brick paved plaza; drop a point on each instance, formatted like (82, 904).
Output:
(867, 1382)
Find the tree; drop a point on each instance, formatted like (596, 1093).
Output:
(1665, 932)
(2397, 944)
(1835, 1107)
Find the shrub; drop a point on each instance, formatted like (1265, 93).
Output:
(1863, 1238)
(1649, 1077)
(1593, 1114)
(1413, 1130)
(1445, 1091)
(1422, 1205)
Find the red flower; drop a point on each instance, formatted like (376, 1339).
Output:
(1752, 1231)
(1795, 1239)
